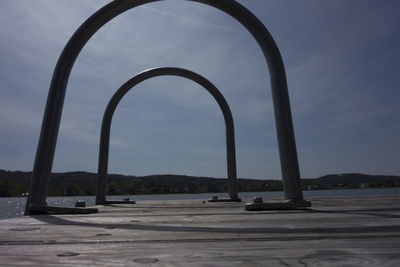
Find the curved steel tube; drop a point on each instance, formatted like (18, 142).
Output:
(126, 87)
(55, 100)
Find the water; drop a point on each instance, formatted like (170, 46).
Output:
(14, 207)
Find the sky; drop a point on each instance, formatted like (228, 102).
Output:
(342, 61)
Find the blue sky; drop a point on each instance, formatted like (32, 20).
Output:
(341, 57)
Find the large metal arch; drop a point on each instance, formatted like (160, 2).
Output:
(41, 172)
(130, 84)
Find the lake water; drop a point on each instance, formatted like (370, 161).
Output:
(14, 207)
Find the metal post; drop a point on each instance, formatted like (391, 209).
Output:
(52, 115)
(125, 88)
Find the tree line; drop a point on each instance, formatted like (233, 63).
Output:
(15, 183)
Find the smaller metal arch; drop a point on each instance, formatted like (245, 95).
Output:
(126, 87)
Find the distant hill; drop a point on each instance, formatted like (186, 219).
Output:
(356, 178)
(15, 183)
(353, 180)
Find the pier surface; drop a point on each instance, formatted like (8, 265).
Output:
(345, 231)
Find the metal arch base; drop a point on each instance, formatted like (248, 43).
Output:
(224, 200)
(156, 72)
(60, 210)
(288, 205)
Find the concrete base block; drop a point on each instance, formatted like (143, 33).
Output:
(288, 205)
(60, 210)
(224, 200)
